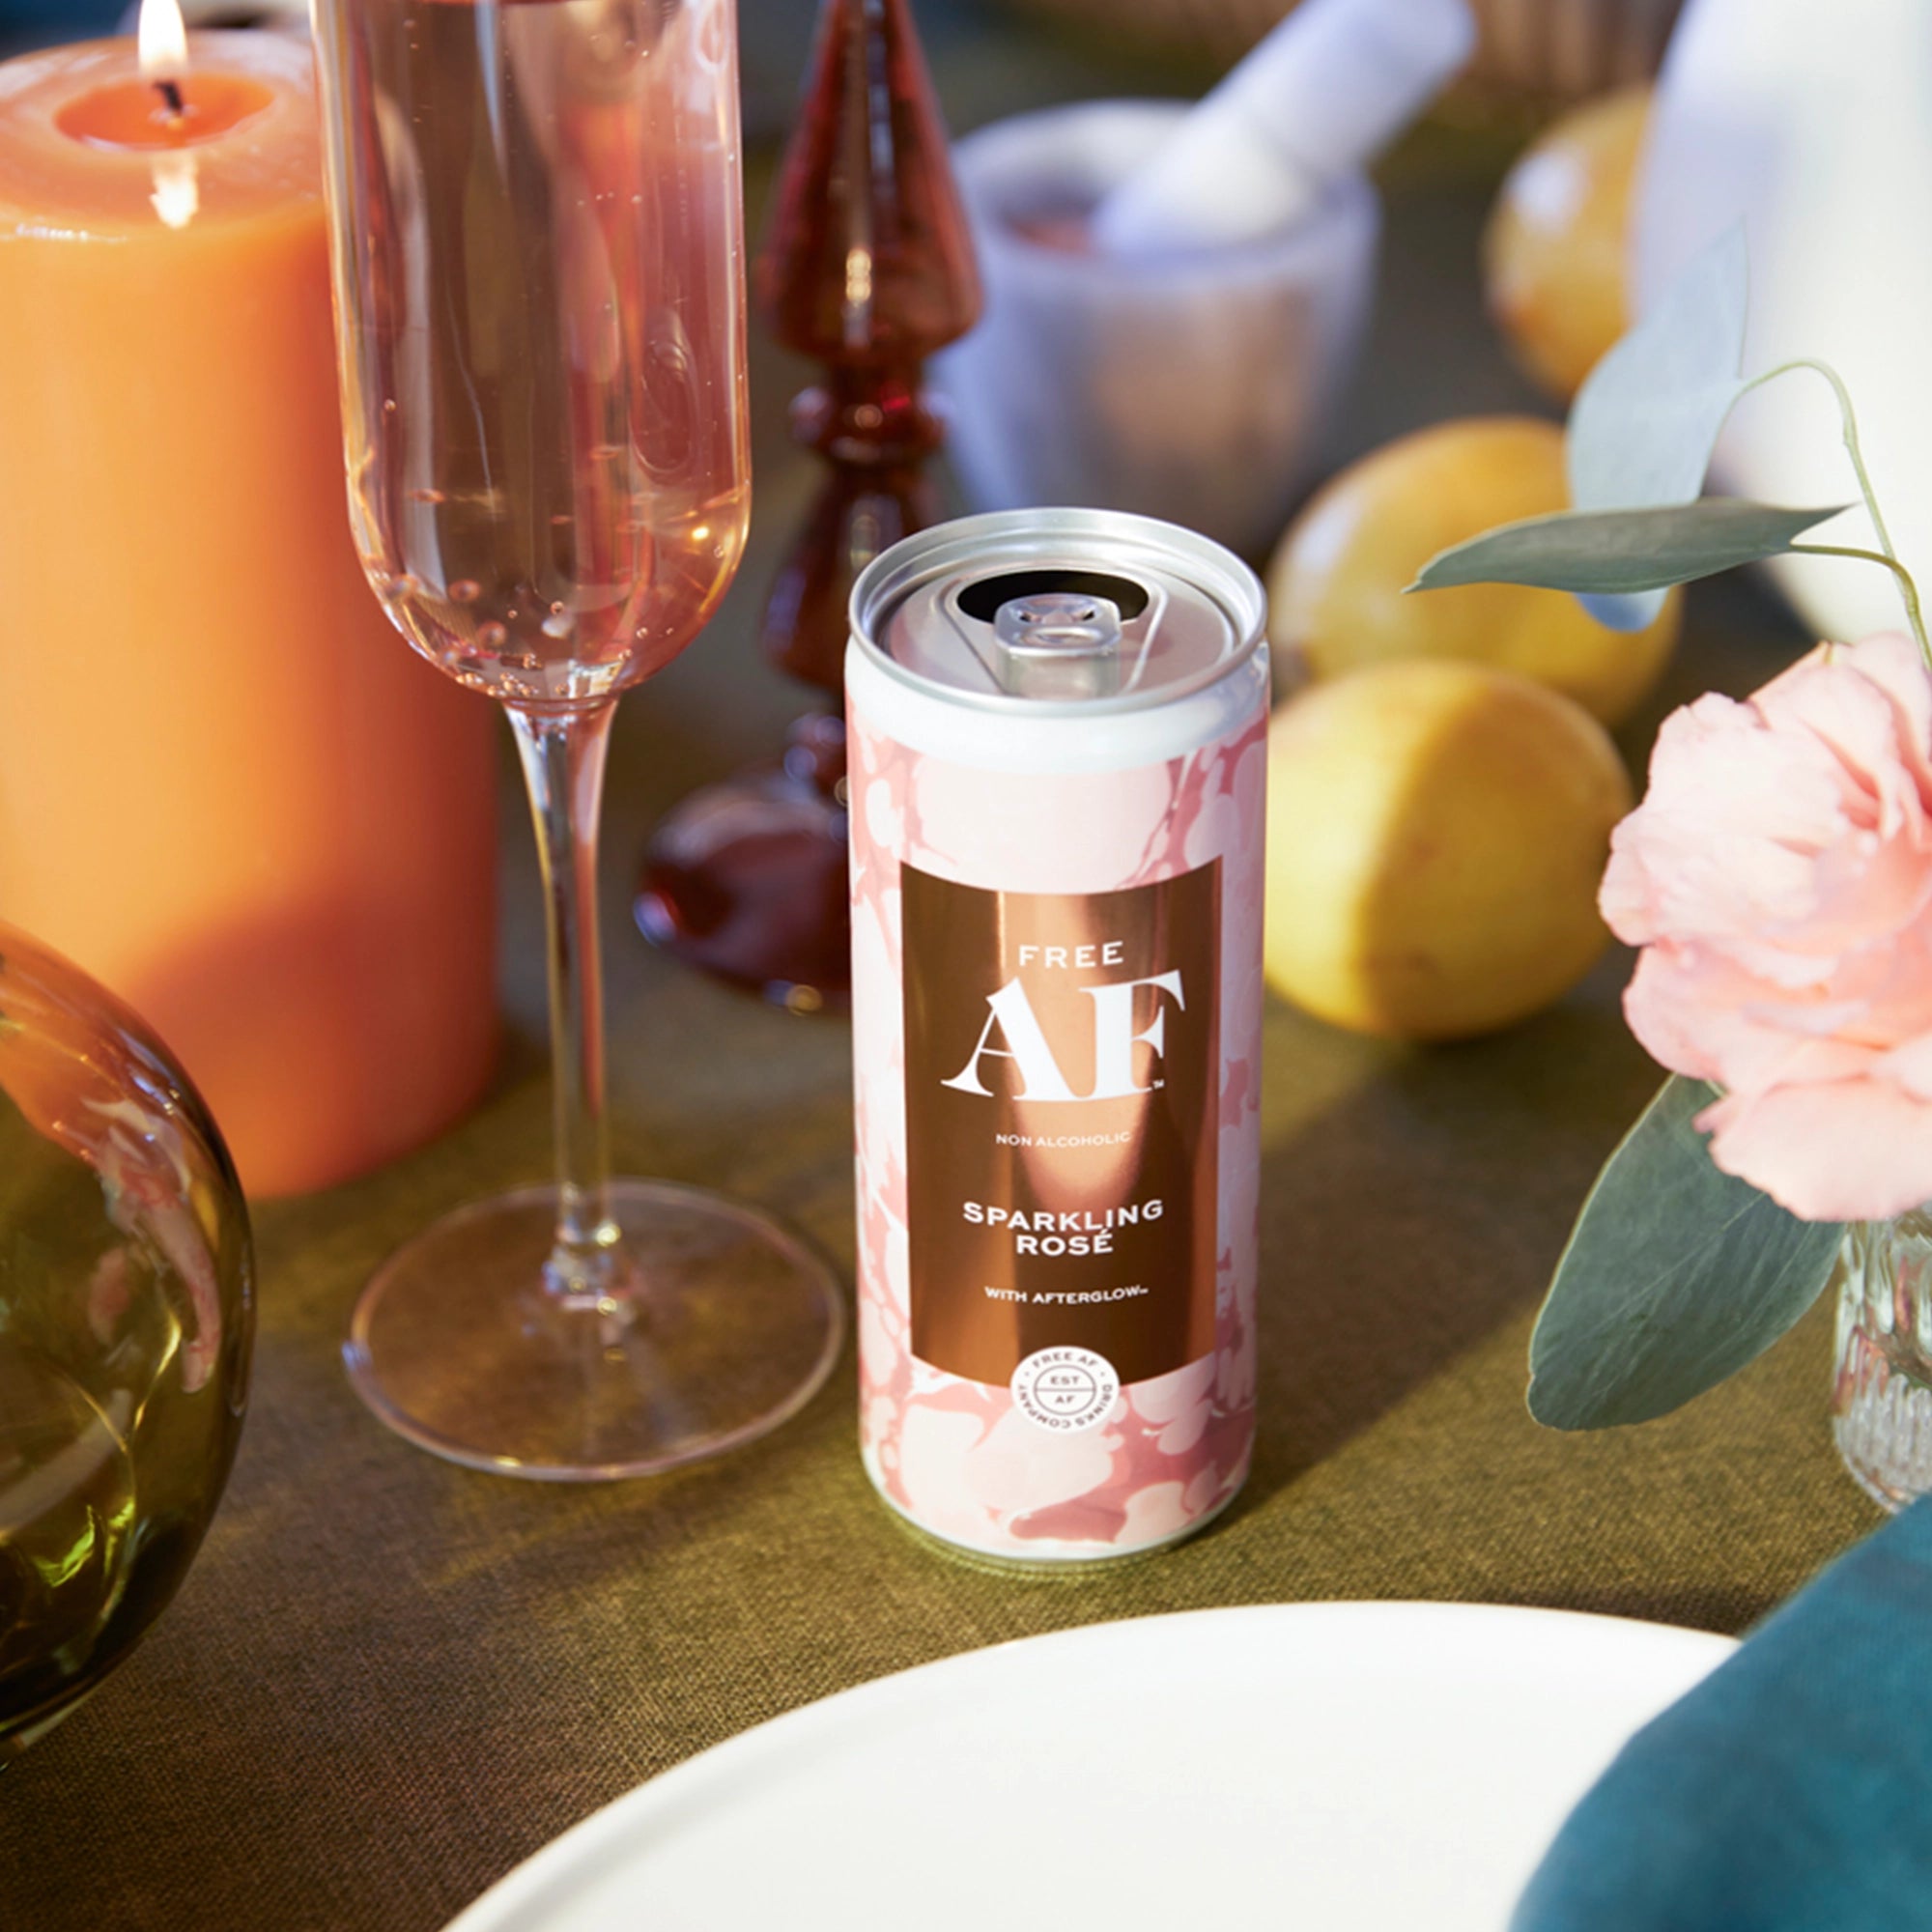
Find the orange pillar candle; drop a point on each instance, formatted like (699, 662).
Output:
(227, 787)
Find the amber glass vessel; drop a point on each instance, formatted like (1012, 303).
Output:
(868, 267)
(126, 1314)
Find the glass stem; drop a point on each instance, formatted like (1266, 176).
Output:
(563, 754)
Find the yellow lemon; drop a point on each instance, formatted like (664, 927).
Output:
(1556, 249)
(1436, 837)
(1336, 582)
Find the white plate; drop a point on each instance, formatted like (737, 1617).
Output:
(1351, 1767)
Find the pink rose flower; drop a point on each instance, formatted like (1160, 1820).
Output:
(1778, 877)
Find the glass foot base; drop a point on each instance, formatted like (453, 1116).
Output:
(732, 1327)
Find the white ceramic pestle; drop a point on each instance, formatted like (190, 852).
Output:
(1317, 99)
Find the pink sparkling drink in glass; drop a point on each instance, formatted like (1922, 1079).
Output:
(1058, 734)
(536, 250)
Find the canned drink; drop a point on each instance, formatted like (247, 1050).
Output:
(1058, 750)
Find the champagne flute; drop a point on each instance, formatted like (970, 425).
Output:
(538, 263)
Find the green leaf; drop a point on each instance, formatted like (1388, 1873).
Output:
(1646, 420)
(1675, 1277)
(1614, 551)
(1623, 611)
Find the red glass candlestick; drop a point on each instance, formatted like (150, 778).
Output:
(868, 268)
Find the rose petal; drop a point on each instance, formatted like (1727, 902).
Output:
(1859, 720)
(1896, 664)
(1726, 840)
(1779, 877)
(1693, 1012)
(1847, 1150)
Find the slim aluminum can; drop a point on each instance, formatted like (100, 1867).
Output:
(1058, 754)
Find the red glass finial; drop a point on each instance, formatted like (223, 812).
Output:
(868, 267)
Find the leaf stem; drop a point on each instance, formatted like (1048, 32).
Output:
(1885, 554)
(1907, 587)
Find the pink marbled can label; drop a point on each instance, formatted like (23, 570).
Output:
(1063, 1461)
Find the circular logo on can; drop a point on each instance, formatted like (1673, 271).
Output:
(1065, 1390)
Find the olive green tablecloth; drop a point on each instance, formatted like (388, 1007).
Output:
(387, 1680)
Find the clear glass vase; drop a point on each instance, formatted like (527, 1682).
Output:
(126, 1314)
(1882, 1384)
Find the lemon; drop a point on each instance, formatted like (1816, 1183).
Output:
(1436, 837)
(1336, 582)
(1556, 249)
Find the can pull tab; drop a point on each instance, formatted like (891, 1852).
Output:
(1059, 644)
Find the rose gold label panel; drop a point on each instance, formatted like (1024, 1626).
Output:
(1062, 1055)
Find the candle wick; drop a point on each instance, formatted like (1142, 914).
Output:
(170, 93)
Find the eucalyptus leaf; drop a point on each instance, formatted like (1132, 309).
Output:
(1631, 610)
(1676, 1276)
(1646, 420)
(1615, 552)
(1644, 423)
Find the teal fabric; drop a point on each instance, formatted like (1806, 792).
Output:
(1791, 1791)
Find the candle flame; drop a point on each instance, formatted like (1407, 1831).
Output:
(164, 53)
(163, 40)
(176, 195)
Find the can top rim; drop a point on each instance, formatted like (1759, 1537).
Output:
(1070, 538)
